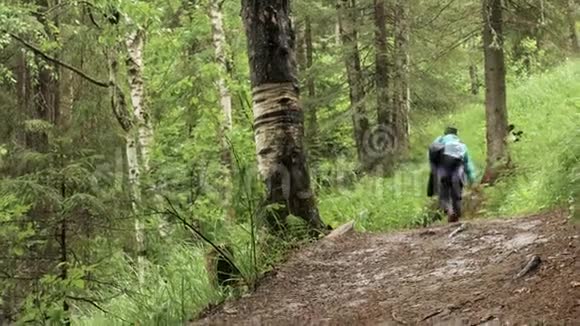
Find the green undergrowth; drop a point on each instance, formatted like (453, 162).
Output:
(546, 171)
(176, 285)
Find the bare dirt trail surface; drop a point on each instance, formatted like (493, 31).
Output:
(438, 276)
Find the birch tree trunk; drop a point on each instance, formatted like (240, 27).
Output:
(219, 43)
(135, 42)
(126, 120)
(571, 16)
(495, 89)
(278, 115)
(348, 20)
(401, 84)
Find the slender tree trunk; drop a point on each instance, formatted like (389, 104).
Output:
(540, 29)
(45, 106)
(571, 16)
(219, 43)
(63, 241)
(382, 64)
(383, 141)
(25, 95)
(135, 42)
(312, 117)
(401, 83)
(348, 19)
(474, 78)
(126, 120)
(300, 47)
(46, 92)
(278, 115)
(305, 58)
(337, 37)
(495, 92)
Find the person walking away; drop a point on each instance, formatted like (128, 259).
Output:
(450, 166)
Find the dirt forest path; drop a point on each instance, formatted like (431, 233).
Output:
(438, 276)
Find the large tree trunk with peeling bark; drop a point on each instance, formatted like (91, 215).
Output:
(571, 16)
(348, 21)
(278, 115)
(495, 92)
(402, 101)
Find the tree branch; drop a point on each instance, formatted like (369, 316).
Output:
(89, 301)
(93, 303)
(172, 211)
(60, 63)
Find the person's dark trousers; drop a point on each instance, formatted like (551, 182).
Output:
(435, 156)
(450, 176)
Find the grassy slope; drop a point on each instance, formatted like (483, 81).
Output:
(546, 107)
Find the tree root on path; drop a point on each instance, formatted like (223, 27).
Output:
(397, 319)
(451, 308)
(460, 229)
(531, 266)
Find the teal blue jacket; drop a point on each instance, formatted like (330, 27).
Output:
(455, 148)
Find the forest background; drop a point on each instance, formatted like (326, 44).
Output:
(127, 142)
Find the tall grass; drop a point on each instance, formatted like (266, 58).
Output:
(546, 108)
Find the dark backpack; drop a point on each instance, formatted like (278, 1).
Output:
(436, 150)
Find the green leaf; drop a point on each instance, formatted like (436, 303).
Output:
(78, 283)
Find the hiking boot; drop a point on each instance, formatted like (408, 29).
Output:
(453, 218)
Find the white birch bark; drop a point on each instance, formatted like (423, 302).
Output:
(127, 122)
(135, 42)
(219, 43)
(135, 185)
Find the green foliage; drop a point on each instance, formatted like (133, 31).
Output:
(546, 160)
(545, 173)
(77, 181)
